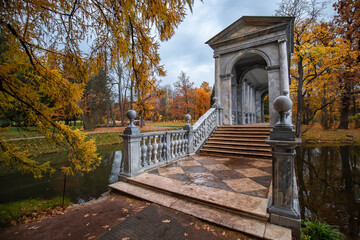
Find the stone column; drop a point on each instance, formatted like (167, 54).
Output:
(131, 148)
(284, 209)
(243, 87)
(217, 80)
(274, 90)
(251, 102)
(284, 68)
(248, 103)
(226, 98)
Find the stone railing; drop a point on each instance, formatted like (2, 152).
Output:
(204, 127)
(143, 151)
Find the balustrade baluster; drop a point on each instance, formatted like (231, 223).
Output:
(176, 145)
(150, 148)
(172, 148)
(166, 145)
(155, 146)
(181, 144)
(184, 146)
(161, 138)
(143, 152)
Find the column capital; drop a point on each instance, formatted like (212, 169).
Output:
(282, 40)
(227, 75)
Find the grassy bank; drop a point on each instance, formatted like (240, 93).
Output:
(40, 146)
(28, 210)
(315, 134)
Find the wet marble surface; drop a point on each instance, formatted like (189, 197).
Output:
(247, 176)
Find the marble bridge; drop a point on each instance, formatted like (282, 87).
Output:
(229, 168)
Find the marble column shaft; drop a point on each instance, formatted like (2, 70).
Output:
(284, 68)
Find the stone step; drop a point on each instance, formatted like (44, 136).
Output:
(238, 143)
(236, 152)
(245, 140)
(236, 147)
(254, 227)
(237, 135)
(241, 127)
(246, 205)
(243, 132)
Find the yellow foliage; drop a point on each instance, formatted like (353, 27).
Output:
(43, 69)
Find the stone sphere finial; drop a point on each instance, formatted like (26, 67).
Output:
(215, 99)
(131, 114)
(282, 104)
(285, 92)
(188, 118)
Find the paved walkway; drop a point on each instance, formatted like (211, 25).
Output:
(230, 192)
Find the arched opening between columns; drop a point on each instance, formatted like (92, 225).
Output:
(249, 82)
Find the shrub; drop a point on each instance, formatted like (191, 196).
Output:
(317, 230)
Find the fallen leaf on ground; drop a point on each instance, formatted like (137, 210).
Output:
(105, 226)
(13, 222)
(166, 221)
(197, 227)
(185, 234)
(87, 224)
(33, 227)
(16, 233)
(91, 237)
(86, 215)
(223, 233)
(87, 234)
(125, 238)
(94, 214)
(214, 233)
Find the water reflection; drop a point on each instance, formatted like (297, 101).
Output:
(329, 185)
(80, 188)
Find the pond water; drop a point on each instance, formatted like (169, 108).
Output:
(329, 185)
(328, 181)
(80, 188)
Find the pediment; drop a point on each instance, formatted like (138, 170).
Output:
(249, 27)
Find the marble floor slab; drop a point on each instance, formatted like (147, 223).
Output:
(240, 184)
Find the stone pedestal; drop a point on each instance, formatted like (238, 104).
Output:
(284, 207)
(189, 128)
(131, 148)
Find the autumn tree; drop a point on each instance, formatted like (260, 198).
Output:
(35, 31)
(183, 102)
(202, 99)
(348, 27)
(306, 14)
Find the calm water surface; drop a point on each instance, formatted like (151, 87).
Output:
(329, 186)
(80, 188)
(328, 181)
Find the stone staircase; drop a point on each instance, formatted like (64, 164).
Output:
(239, 141)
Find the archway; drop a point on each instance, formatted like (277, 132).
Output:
(252, 56)
(249, 82)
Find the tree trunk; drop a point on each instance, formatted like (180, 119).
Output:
(112, 116)
(324, 117)
(108, 115)
(345, 107)
(300, 97)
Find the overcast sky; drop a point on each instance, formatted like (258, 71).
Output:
(186, 50)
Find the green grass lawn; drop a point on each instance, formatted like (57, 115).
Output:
(20, 132)
(27, 209)
(167, 124)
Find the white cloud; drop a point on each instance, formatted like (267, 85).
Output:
(186, 50)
